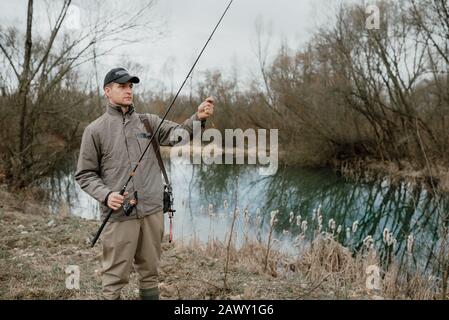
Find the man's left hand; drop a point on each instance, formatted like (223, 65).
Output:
(206, 109)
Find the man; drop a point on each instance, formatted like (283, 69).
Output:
(111, 145)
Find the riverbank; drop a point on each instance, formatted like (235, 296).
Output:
(38, 246)
(434, 178)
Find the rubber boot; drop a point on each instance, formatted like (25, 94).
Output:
(149, 294)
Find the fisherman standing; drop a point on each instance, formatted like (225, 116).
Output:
(110, 148)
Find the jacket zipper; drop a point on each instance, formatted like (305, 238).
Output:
(129, 160)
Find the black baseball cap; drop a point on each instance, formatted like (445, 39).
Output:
(119, 75)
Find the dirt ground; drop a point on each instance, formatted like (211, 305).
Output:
(37, 248)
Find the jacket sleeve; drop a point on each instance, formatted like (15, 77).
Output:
(87, 173)
(168, 127)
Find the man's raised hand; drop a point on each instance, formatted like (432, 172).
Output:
(206, 109)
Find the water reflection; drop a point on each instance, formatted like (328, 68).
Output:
(204, 200)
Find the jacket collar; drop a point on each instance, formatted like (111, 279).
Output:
(117, 110)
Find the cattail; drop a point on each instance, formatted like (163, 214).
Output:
(348, 233)
(246, 214)
(318, 217)
(211, 209)
(410, 243)
(273, 219)
(320, 223)
(368, 242)
(332, 225)
(386, 236)
(339, 229)
(292, 216)
(389, 239)
(354, 226)
(298, 220)
(304, 226)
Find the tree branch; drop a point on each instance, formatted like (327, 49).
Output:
(10, 61)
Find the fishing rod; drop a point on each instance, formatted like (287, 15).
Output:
(122, 191)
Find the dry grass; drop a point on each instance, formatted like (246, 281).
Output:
(36, 248)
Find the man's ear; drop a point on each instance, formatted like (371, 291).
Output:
(107, 91)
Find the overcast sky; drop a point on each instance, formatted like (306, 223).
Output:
(186, 25)
(189, 24)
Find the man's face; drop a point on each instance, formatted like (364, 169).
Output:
(120, 93)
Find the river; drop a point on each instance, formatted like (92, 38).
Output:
(205, 197)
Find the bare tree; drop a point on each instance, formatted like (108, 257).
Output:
(45, 66)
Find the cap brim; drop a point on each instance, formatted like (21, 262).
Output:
(127, 78)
